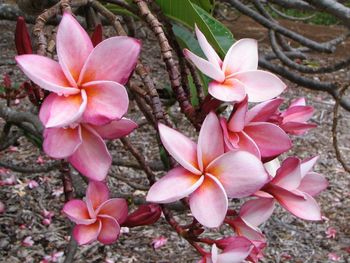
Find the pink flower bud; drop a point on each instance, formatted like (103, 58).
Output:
(97, 35)
(40, 160)
(144, 215)
(159, 242)
(22, 39)
(46, 221)
(33, 184)
(2, 207)
(27, 242)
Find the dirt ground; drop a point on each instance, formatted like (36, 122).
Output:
(290, 239)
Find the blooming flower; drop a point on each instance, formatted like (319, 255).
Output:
(87, 82)
(246, 131)
(84, 147)
(206, 174)
(331, 232)
(98, 217)
(159, 242)
(237, 75)
(27, 242)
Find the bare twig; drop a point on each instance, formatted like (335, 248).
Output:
(29, 169)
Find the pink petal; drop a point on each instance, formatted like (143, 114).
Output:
(208, 68)
(46, 73)
(313, 183)
(242, 56)
(113, 59)
(209, 202)
(208, 50)
(92, 158)
(257, 211)
(116, 208)
(236, 252)
(304, 206)
(77, 211)
(228, 90)
(107, 101)
(237, 119)
(263, 111)
(109, 231)
(176, 184)
(272, 166)
(115, 129)
(60, 142)
(298, 102)
(297, 114)
(231, 139)
(289, 174)
(85, 234)
(297, 128)
(260, 85)
(73, 47)
(210, 141)
(243, 228)
(60, 111)
(270, 139)
(96, 194)
(307, 164)
(180, 147)
(246, 143)
(241, 173)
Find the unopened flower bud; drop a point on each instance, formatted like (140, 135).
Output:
(144, 215)
(22, 39)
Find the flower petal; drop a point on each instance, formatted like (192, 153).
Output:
(77, 211)
(231, 139)
(210, 141)
(307, 164)
(288, 176)
(263, 111)
(73, 47)
(85, 234)
(60, 142)
(297, 114)
(116, 208)
(176, 184)
(260, 85)
(270, 139)
(113, 59)
(96, 194)
(297, 128)
(208, 68)
(91, 158)
(241, 173)
(107, 101)
(62, 110)
(229, 90)
(236, 252)
(257, 211)
(246, 143)
(115, 129)
(209, 202)
(180, 147)
(237, 119)
(242, 56)
(46, 73)
(313, 184)
(243, 228)
(110, 230)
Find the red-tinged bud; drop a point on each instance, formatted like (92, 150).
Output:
(96, 37)
(7, 81)
(144, 215)
(22, 39)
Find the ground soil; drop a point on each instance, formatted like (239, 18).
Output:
(290, 239)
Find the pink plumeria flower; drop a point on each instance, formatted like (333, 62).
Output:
(206, 174)
(331, 232)
(33, 184)
(27, 242)
(84, 147)
(98, 218)
(334, 257)
(236, 252)
(159, 242)
(238, 74)
(245, 130)
(57, 192)
(87, 82)
(293, 185)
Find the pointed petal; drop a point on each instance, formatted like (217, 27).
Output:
(77, 211)
(210, 141)
(62, 110)
(73, 47)
(270, 139)
(116, 208)
(263, 111)
(46, 73)
(231, 139)
(289, 174)
(61, 143)
(113, 59)
(307, 165)
(208, 50)
(107, 101)
(243, 228)
(236, 253)
(299, 204)
(298, 102)
(214, 254)
(209, 202)
(180, 147)
(206, 67)
(85, 234)
(241, 173)
(246, 143)
(230, 90)
(96, 194)
(257, 211)
(297, 114)
(272, 166)
(242, 56)
(237, 119)
(115, 129)
(91, 158)
(110, 230)
(260, 85)
(313, 184)
(176, 184)
(297, 128)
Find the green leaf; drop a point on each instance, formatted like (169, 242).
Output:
(207, 5)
